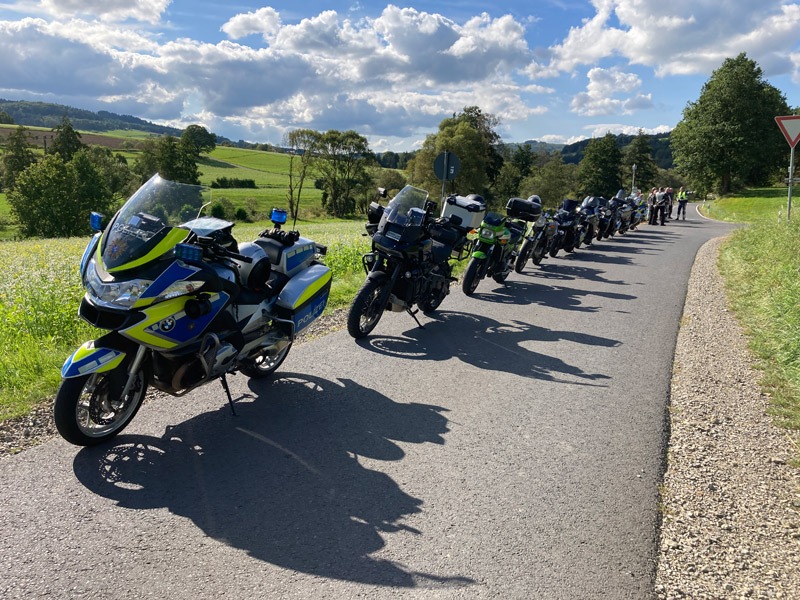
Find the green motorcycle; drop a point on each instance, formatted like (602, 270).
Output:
(496, 242)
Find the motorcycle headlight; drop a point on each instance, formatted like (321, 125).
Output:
(117, 294)
(487, 233)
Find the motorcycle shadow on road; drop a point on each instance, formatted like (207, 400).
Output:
(283, 480)
(489, 344)
(549, 294)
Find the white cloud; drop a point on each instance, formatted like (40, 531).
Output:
(600, 95)
(265, 21)
(148, 11)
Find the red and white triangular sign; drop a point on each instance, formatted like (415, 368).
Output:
(790, 126)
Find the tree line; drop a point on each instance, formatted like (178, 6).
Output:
(727, 139)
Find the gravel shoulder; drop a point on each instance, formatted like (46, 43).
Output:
(730, 500)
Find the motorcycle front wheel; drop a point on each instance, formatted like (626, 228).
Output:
(538, 252)
(476, 270)
(88, 410)
(367, 308)
(263, 364)
(524, 255)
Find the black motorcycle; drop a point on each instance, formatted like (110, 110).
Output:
(588, 220)
(410, 260)
(567, 219)
(538, 238)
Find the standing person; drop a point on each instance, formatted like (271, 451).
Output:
(682, 200)
(651, 207)
(670, 199)
(660, 207)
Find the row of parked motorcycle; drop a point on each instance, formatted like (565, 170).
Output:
(412, 248)
(182, 303)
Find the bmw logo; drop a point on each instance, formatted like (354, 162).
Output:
(167, 324)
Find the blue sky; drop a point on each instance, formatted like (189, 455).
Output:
(553, 70)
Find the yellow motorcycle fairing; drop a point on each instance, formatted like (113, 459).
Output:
(166, 325)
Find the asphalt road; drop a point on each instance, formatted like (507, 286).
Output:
(512, 448)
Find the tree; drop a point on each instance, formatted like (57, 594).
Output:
(170, 158)
(66, 141)
(729, 135)
(17, 157)
(341, 164)
(301, 144)
(198, 139)
(599, 171)
(640, 153)
(552, 182)
(53, 198)
(471, 137)
(5, 118)
(119, 180)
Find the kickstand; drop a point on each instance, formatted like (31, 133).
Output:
(224, 382)
(414, 316)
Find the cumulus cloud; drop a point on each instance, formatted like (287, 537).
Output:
(680, 37)
(148, 11)
(600, 97)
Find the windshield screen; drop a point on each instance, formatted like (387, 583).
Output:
(399, 211)
(148, 216)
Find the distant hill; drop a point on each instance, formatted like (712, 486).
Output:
(44, 114)
(662, 153)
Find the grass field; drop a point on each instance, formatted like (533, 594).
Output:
(760, 264)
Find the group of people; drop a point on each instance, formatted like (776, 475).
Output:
(660, 203)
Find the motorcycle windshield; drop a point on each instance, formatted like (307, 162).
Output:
(400, 210)
(148, 224)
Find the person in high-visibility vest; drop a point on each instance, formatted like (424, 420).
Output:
(682, 200)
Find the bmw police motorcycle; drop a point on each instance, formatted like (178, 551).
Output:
(183, 304)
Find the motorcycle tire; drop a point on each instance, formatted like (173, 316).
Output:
(367, 308)
(524, 255)
(538, 252)
(434, 298)
(554, 249)
(261, 365)
(569, 248)
(86, 411)
(589, 236)
(475, 271)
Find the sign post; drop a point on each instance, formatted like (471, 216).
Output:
(790, 126)
(446, 167)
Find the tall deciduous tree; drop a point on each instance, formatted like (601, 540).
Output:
(301, 144)
(469, 135)
(66, 141)
(342, 161)
(17, 157)
(552, 182)
(729, 134)
(198, 139)
(599, 172)
(171, 158)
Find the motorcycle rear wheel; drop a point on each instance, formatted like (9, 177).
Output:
(88, 411)
(476, 270)
(367, 309)
(262, 365)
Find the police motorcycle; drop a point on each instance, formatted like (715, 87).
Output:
(538, 236)
(495, 242)
(183, 304)
(567, 234)
(410, 260)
